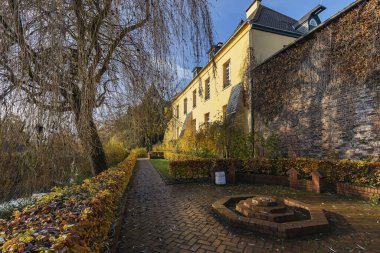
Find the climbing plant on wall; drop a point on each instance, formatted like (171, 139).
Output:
(346, 51)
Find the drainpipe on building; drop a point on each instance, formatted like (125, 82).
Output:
(252, 113)
(250, 80)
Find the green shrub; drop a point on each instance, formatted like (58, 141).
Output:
(374, 200)
(141, 152)
(354, 172)
(70, 219)
(156, 155)
(267, 145)
(216, 139)
(228, 164)
(190, 169)
(115, 151)
(203, 153)
(179, 157)
(201, 168)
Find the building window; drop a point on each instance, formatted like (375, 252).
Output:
(177, 112)
(194, 98)
(224, 112)
(227, 74)
(207, 118)
(185, 106)
(207, 89)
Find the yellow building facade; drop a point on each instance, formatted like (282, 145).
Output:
(220, 88)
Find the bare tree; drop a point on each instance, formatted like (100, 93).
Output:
(69, 57)
(144, 124)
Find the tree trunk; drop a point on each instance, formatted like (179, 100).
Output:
(98, 156)
(91, 141)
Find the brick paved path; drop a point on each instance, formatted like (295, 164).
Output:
(178, 218)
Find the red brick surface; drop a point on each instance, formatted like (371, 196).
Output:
(359, 191)
(179, 218)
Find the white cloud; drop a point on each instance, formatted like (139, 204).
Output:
(184, 73)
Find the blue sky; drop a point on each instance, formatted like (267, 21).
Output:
(226, 15)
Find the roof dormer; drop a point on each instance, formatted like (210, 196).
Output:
(310, 20)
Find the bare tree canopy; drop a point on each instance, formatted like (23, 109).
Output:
(65, 58)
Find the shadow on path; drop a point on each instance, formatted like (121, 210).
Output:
(178, 218)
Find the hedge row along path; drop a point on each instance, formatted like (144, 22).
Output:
(178, 218)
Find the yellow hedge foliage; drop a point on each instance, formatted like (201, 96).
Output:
(179, 157)
(354, 172)
(115, 151)
(71, 219)
(201, 168)
(141, 152)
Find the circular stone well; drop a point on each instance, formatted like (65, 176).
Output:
(273, 216)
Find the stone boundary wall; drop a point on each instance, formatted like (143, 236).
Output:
(322, 93)
(357, 191)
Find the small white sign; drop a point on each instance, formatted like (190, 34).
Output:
(220, 178)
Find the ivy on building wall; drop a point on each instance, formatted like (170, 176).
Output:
(321, 91)
(346, 51)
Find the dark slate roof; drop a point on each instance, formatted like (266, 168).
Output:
(241, 22)
(308, 35)
(318, 9)
(270, 20)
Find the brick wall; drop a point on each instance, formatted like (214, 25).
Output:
(321, 106)
(359, 191)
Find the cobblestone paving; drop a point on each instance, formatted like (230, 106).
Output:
(178, 218)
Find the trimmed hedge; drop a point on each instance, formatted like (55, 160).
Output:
(190, 169)
(180, 157)
(345, 171)
(115, 151)
(201, 168)
(156, 155)
(141, 152)
(70, 219)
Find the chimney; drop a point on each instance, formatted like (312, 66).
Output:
(196, 71)
(252, 8)
(214, 49)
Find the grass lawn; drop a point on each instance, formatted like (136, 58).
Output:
(162, 165)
